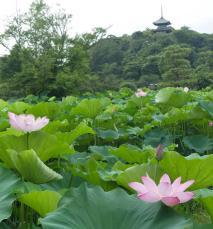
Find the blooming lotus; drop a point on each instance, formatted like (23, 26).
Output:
(186, 89)
(169, 193)
(140, 93)
(27, 122)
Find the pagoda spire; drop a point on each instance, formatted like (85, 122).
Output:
(162, 24)
(161, 11)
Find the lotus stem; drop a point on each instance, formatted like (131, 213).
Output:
(28, 134)
(22, 215)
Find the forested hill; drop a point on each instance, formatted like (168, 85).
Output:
(180, 58)
(43, 59)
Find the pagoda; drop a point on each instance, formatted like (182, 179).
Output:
(162, 24)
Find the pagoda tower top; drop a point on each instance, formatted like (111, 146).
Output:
(162, 24)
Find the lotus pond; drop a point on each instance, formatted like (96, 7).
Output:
(114, 160)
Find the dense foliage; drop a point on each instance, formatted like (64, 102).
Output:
(180, 58)
(43, 59)
(74, 173)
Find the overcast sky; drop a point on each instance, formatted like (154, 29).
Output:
(124, 16)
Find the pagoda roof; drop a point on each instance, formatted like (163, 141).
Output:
(162, 21)
(163, 29)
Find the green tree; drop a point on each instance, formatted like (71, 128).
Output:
(41, 42)
(175, 66)
(204, 69)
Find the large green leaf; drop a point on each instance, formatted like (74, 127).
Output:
(19, 107)
(172, 97)
(197, 113)
(32, 168)
(70, 137)
(207, 106)
(175, 115)
(3, 123)
(93, 208)
(103, 153)
(193, 167)
(46, 145)
(3, 104)
(108, 135)
(135, 172)
(90, 108)
(17, 143)
(8, 184)
(49, 109)
(131, 154)
(206, 197)
(90, 170)
(119, 166)
(199, 143)
(42, 202)
(157, 136)
(56, 125)
(11, 131)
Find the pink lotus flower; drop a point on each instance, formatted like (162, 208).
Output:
(27, 122)
(140, 93)
(169, 193)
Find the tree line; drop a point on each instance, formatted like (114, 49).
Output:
(43, 59)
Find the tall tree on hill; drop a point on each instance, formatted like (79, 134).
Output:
(41, 54)
(41, 43)
(175, 66)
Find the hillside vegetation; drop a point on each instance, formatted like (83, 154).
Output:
(43, 59)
